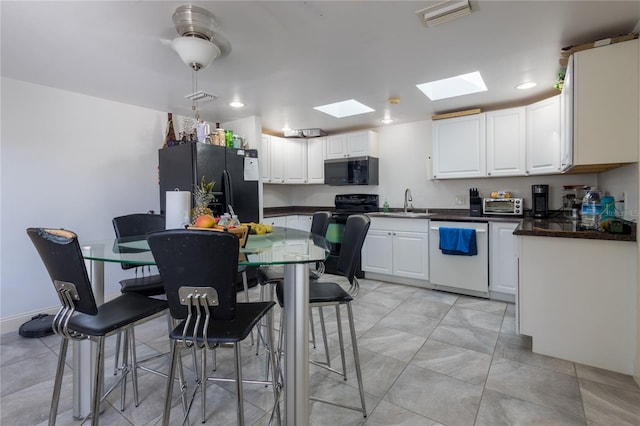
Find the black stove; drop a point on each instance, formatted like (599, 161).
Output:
(345, 205)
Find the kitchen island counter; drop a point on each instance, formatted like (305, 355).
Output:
(577, 299)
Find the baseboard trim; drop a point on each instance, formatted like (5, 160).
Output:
(13, 323)
(397, 280)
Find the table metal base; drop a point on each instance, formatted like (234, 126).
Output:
(296, 350)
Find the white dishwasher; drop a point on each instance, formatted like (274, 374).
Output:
(467, 274)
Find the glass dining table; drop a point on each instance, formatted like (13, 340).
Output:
(295, 249)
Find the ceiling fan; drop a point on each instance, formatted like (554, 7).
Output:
(198, 45)
(199, 42)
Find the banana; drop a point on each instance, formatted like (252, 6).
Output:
(259, 228)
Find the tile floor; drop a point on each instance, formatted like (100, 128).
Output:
(428, 358)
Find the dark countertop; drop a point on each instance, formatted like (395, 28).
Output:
(559, 227)
(291, 210)
(565, 228)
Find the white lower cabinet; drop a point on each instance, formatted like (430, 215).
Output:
(503, 261)
(276, 221)
(302, 222)
(377, 252)
(397, 247)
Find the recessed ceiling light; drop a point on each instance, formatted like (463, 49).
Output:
(459, 85)
(344, 108)
(527, 85)
(236, 104)
(386, 120)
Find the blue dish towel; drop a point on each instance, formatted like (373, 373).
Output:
(458, 241)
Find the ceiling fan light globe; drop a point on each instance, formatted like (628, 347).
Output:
(195, 52)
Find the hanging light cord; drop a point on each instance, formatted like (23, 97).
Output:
(194, 84)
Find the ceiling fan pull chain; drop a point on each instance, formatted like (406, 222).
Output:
(194, 83)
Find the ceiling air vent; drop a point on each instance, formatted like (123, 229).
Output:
(304, 133)
(201, 96)
(443, 12)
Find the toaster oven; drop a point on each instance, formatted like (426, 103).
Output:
(503, 206)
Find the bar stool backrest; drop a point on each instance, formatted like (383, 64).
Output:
(320, 223)
(197, 258)
(61, 255)
(136, 224)
(355, 231)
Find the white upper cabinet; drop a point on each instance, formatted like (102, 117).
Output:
(543, 136)
(605, 104)
(459, 146)
(265, 158)
(566, 119)
(506, 142)
(271, 159)
(315, 160)
(295, 164)
(292, 161)
(336, 146)
(277, 160)
(356, 144)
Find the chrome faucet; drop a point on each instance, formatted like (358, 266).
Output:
(407, 198)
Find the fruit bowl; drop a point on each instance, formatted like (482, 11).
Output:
(239, 231)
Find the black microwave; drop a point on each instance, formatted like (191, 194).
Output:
(351, 171)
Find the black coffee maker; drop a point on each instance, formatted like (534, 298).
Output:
(540, 200)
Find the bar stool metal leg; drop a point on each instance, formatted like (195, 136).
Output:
(175, 353)
(356, 357)
(236, 347)
(97, 386)
(53, 412)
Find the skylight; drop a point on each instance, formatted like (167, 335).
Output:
(344, 108)
(459, 85)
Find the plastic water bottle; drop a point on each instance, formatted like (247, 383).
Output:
(591, 210)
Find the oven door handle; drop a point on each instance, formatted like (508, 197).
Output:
(480, 231)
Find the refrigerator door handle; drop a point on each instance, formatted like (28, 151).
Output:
(228, 189)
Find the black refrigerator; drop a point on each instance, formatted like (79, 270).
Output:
(183, 166)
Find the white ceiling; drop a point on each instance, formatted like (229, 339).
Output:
(289, 56)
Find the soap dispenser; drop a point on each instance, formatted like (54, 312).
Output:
(385, 206)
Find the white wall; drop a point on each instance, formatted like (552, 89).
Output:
(404, 163)
(69, 161)
(623, 179)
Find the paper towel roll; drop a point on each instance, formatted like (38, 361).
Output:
(177, 209)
